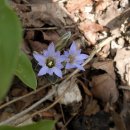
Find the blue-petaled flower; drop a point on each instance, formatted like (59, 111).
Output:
(50, 60)
(74, 58)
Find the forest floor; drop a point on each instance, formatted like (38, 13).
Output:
(95, 99)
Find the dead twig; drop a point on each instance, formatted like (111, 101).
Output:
(26, 95)
(124, 88)
(10, 120)
(50, 28)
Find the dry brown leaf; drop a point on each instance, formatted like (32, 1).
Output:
(6, 114)
(101, 5)
(50, 12)
(22, 104)
(51, 36)
(72, 95)
(110, 13)
(106, 66)
(37, 46)
(122, 60)
(41, 14)
(119, 19)
(90, 26)
(26, 49)
(85, 88)
(105, 51)
(127, 120)
(73, 5)
(115, 45)
(104, 88)
(118, 120)
(92, 108)
(90, 30)
(29, 35)
(18, 91)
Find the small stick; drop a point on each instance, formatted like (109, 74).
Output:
(49, 28)
(26, 95)
(8, 121)
(124, 88)
(62, 112)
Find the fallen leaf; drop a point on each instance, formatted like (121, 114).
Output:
(29, 35)
(51, 36)
(122, 60)
(111, 11)
(119, 123)
(85, 88)
(90, 30)
(107, 66)
(118, 19)
(18, 91)
(92, 108)
(105, 51)
(104, 88)
(40, 14)
(26, 49)
(72, 95)
(102, 5)
(7, 113)
(115, 45)
(127, 120)
(37, 46)
(124, 3)
(73, 5)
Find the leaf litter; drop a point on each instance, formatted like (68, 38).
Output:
(106, 79)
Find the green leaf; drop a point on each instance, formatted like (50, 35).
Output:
(43, 125)
(25, 72)
(10, 39)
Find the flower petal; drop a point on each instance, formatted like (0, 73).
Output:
(43, 71)
(66, 53)
(51, 49)
(40, 58)
(69, 66)
(78, 51)
(57, 71)
(80, 67)
(73, 48)
(57, 54)
(50, 71)
(81, 57)
(45, 53)
(62, 58)
(59, 65)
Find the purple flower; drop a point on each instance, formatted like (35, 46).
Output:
(74, 58)
(50, 61)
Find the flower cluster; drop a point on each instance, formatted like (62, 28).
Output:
(51, 60)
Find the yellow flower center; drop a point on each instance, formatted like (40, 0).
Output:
(50, 62)
(71, 58)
